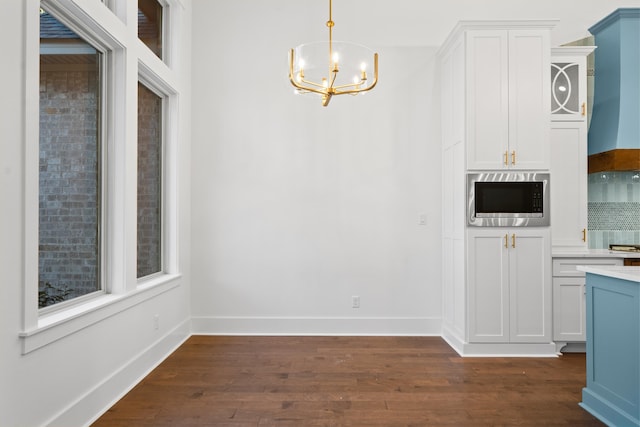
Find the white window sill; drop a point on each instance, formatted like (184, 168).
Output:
(54, 326)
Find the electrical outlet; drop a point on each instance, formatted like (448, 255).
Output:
(422, 219)
(156, 321)
(355, 301)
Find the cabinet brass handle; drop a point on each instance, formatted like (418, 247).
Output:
(584, 108)
(506, 241)
(513, 157)
(506, 158)
(513, 240)
(584, 234)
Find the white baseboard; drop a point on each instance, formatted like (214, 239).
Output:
(453, 339)
(89, 407)
(509, 350)
(401, 326)
(466, 349)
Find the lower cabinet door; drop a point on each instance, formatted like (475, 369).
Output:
(530, 286)
(488, 269)
(569, 322)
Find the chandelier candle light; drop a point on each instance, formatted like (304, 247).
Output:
(306, 74)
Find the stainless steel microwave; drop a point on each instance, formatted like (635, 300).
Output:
(508, 199)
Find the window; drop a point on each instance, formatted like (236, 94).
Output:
(149, 251)
(69, 165)
(82, 206)
(150, 25)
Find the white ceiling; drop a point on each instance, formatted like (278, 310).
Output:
(428, 22)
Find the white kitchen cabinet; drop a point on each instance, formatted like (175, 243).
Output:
(453, 190)
(568, 187)
(569, 152)
(494, 101)
(569, 298)
(569, 83)
(569, 305)
(508, 99)
(509, 273)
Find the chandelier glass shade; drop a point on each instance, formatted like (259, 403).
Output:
(333, 67)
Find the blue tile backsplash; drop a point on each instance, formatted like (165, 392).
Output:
(613, 209)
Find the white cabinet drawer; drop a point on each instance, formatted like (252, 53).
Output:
(566, 267)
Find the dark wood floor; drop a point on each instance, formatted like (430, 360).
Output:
(350, 381)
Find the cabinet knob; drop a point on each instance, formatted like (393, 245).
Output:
(513, 240)
(506, 158)
(584, 234)
(506, 241)
(513, 157)
(584, 109)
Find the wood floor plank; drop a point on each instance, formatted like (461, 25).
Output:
(350, 381)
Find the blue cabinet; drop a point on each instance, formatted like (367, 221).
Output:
(612, 393)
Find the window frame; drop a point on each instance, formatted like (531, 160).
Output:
(125, 61)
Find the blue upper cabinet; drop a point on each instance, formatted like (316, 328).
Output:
(615, 122)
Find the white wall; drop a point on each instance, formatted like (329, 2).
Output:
(70, 381)
(300, 207)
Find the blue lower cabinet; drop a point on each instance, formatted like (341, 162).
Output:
(612, 393)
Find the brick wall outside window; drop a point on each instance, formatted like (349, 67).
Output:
(69, 178)
(149, 182)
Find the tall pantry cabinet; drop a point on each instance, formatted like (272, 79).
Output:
(495, 117)
(569, 197)
(569, 146)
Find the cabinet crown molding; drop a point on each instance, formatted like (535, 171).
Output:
(572, 50)
(463, 26)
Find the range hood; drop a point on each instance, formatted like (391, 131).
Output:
(614, 131)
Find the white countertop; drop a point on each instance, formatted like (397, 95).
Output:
(617, 272)
(594, 253)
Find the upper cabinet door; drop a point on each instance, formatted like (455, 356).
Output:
(569, 83)
(565, 92)
(529, 59)
(487, 98)
(508, 99)
(569, 195)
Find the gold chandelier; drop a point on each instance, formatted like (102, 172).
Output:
(307, 74)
